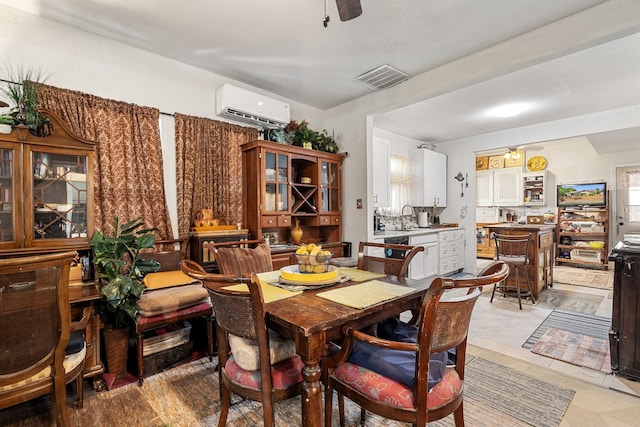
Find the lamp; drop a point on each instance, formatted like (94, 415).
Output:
(512, 154)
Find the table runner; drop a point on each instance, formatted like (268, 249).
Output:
(365, 294)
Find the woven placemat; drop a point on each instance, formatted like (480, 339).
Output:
(365, 294)
(359, 275)
(270, 293)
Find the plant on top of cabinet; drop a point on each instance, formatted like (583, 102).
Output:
(301, 135)
(21, 86)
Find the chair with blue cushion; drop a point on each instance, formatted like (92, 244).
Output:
(396, 385)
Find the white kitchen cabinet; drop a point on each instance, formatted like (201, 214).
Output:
(499, 187)
(428, 178)
(451, 251)
(381, 172)
(424, 264)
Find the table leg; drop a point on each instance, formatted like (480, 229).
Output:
(311, 351)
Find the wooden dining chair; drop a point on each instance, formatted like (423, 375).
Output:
(35, 326)
(253, 371)
(398, 267)
(443, 325)
(242, 257)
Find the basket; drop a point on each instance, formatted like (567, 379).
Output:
(313, 263)
(586, 255)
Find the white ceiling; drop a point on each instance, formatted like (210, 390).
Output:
(282, 47)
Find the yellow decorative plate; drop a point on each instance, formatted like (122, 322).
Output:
(536, 164)
(291, 273)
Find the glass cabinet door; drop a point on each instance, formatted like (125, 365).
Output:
(329, 183)
(7, 190)
(276, 182)
(59, 204)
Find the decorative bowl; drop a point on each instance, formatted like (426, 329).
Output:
(313, 263)
(305, 180)
(596, 245)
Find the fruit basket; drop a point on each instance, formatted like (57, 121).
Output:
(312, 259)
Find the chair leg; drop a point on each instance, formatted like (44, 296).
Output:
(328, 405)
(518, 287)
(458, 415)
(363, 416)
(341, 409)
(59, 402)
(209, 327)
(79, 390)
(225, 403)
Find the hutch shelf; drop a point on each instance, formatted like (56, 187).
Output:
(576, 229)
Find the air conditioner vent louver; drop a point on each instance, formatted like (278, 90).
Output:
(249, 107)
(382, 77)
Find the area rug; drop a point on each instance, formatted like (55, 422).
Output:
(579, 323)
(577, 349)
(583, 277)
(561, 299)
(188, 396)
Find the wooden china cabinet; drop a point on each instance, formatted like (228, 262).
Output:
(285, 184)
(46, 205)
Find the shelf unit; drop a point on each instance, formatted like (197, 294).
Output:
(533, 188)
(575, 229)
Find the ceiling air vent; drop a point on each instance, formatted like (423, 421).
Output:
(382, 77)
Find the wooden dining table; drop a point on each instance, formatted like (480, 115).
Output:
(312, 321)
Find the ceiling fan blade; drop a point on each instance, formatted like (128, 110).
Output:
(349, 9)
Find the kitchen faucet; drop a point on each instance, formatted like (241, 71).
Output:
(403, 224)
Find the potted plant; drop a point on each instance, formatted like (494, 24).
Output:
(120, 271)
(301, 135)
(21, 87)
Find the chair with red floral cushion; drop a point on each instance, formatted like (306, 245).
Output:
(443, 325)
(240, 315)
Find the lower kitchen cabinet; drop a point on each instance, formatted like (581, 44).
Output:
(451, 251)
(424, 264)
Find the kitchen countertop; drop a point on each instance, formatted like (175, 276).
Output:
(412, 232)
(536, 227)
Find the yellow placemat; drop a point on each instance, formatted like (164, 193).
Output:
(365, 294)
(359, 275)
(270, 293)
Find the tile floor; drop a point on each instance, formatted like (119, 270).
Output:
(498, 331)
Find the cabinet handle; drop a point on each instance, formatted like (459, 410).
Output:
(270, 222)
(337, 219)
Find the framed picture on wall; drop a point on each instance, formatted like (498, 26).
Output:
(496, 162)
(515, 161)
(482, 163)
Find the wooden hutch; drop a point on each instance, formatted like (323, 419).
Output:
(46, 205)
(285, 184)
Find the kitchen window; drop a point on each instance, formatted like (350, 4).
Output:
(400, 182)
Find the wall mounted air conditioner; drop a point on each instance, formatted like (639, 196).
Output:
(250, 107)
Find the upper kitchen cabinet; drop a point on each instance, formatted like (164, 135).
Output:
(499, 187)
(429, 178)
(381, 172)
(46, 190)
(533, 188)
(284, 183)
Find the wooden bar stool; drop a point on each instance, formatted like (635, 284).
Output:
(514, 251)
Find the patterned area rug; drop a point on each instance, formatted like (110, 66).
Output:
(583, 277)
(188, 396)
(561, 299)
(579, 323)
(577, 349)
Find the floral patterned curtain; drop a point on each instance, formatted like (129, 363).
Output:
(209, 169)
(631, 194)
(129, 182)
